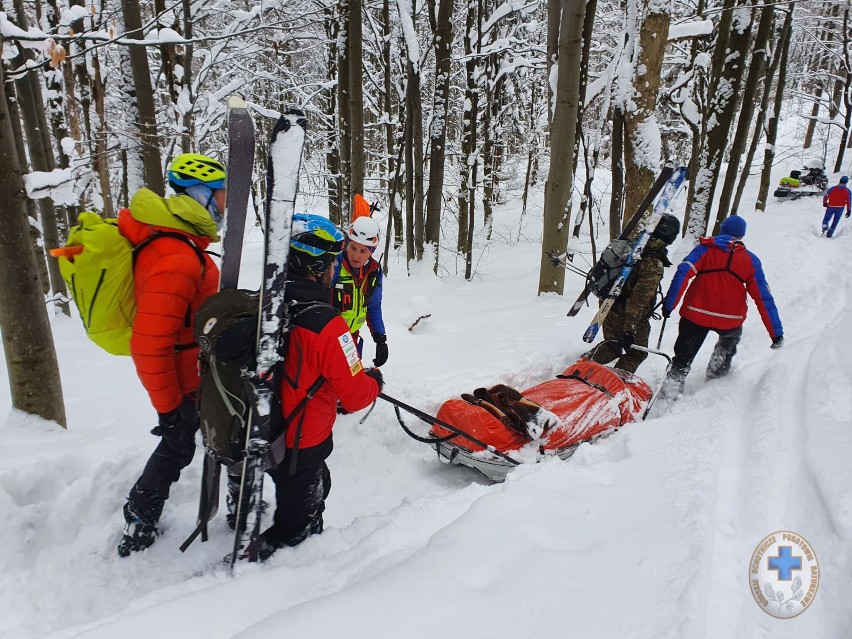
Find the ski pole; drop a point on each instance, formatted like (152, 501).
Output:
(662, 330)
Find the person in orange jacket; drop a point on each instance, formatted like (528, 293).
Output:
(172, 277)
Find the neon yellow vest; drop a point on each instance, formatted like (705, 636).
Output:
(350, 300)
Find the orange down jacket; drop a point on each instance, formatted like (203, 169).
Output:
(170, 285)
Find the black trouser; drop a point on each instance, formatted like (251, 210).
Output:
(690, 337)
(300, 497)
(174, 453)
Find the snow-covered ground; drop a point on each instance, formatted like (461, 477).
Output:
(647, 533)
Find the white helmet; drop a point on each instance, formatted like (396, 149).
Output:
(365, 230)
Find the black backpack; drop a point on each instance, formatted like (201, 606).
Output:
(226, 332)
(607, 269)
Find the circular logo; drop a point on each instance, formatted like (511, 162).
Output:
(784, 574)
(208, 325)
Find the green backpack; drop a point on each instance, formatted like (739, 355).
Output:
(97, 265)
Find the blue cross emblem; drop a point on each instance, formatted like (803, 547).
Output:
(785, 563)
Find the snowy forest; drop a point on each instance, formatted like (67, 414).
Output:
(503, 145)
(431, 110)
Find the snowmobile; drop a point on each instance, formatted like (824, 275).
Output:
(811, 180)
(495, 429)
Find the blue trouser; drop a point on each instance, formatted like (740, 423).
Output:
(837, 212)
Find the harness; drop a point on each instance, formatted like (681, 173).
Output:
(727, 268)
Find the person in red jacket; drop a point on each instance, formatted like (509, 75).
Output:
(723, 271)
(835, 200)
(172, 276)
(322, 367)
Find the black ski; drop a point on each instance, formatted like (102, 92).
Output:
(282, 182)
(627, 231)
(241, 142)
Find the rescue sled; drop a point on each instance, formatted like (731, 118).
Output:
(494, 430)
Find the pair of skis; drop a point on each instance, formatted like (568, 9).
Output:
(282, 179)
(666, 186)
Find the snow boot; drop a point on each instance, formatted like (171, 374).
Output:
(139, 533)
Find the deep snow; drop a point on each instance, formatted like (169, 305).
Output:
(647, 533)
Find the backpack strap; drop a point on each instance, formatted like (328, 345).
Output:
(198, 252)
(177, 236)
(727, 268)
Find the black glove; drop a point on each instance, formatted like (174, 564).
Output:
(184, 413)
(376, 374)
(667, 312)
(381, 349)
(848, 213)
(626, 340)
(777, 343)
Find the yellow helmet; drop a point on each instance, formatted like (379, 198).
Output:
(193, 168)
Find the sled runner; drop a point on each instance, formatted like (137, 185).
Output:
(588, 400)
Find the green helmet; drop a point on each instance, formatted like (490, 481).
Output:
(188, 169)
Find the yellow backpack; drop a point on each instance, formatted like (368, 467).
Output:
(97, 265)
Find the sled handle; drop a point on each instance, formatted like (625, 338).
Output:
(429, 419)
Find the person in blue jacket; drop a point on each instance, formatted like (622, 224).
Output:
(356, 286)
(837, 198)
(713, 281)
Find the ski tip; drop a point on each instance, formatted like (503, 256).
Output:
(236, 102)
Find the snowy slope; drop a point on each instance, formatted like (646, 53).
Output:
(645, 534)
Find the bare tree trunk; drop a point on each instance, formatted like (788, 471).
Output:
(344, 115)
(490, 147)
(332, 155)
(32, 212)
(847, 99)
(467, 160)
(187, 129)
(442, 27)
(772, 125)
(758, 126)
(100, 161)
(355, 53)
(729, 62)
(41, 156)
(149, 138)
(27, 339)
(557, 190)
(472, 157)
(809, 134)
(640, 122)
(755, 72)
(554, 12)
(394, 213)
(616, 202)
(411, 76)
(820, 59)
